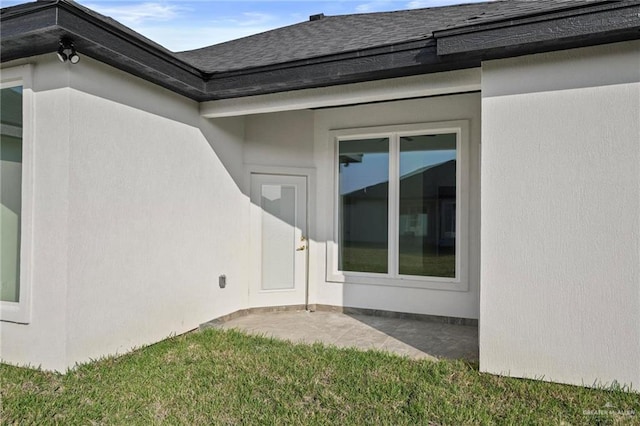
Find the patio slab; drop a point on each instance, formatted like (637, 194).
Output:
(412, 338)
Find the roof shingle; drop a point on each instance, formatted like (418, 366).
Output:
(347, 33)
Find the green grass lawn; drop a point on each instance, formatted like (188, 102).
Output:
(218, 377)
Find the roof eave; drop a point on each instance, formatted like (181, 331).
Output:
(38, 30)
(448, 50)
(400, 60)
(587, 26)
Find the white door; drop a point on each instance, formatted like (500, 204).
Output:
(279, 244)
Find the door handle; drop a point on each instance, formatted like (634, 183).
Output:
(304, 246)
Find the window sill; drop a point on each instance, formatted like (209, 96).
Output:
(14, 312)
(443, 284)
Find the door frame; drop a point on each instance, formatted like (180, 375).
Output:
(309, 174)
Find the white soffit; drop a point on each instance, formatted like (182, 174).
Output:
(348, 94)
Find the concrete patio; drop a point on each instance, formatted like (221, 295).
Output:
(413, 338)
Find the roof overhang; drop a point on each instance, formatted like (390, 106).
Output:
(36, 29)
(433, 84)
(401, 60)
(580, 26)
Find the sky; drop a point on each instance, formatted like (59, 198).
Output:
(189, 24)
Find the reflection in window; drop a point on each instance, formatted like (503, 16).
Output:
(363, 205)
(10, 191)
(427, 205)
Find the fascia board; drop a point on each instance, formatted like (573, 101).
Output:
(608, 23)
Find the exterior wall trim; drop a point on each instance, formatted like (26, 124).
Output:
(459, 81)
(574, 27)
(21, 312)
(461, 283)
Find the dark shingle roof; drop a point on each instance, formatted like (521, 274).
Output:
(347, 33)
(325, 52)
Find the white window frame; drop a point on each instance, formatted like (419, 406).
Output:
(392, 277)
(20, 312)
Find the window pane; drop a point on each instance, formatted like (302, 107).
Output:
(427, 223)
(363, 205)
(10, 191)
(278, 236)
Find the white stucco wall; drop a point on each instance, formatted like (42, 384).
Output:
(300, 139)
(560, 295)
(140, 204)
(136, 214)
(42, 341)
(283, 139)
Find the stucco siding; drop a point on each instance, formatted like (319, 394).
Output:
(136, 216)
(153, 221)
(560, 297)
(285, 141)
(42, 341)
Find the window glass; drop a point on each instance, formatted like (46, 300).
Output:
(10, 191)
(363, 205)
(427, 206)
(278, 235)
